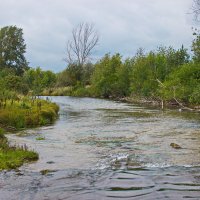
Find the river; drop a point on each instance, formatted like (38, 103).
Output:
(100, 149)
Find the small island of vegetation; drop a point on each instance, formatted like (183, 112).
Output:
(12, 157)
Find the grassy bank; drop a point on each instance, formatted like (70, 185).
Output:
(27, 113)
(18, 114)
(12, 157)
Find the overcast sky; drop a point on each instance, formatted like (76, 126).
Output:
(123, 25)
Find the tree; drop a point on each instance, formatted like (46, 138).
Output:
(196, 9)
(37, 80)
(49, 79)
(196, 48)
(183, 84)
(80, 47)
(33, 77)
(16, 84)
(152, 69)
(111, 77)
(12, 49)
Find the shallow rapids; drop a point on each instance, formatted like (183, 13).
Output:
(100, 149)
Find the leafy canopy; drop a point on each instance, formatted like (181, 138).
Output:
(12, 50)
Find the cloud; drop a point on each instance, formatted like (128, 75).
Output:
(124, 26)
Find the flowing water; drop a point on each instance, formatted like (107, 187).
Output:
(100, 149)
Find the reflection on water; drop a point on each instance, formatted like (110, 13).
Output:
(102, 149)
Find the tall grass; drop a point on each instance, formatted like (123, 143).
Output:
(27, 113)
(58, 91)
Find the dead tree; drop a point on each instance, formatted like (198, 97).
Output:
(196, 9)
(80, 47)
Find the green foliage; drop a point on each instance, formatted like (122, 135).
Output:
(143, 75)
(12, 50)
(111, 77)
(62, 79)
(194, 97)
(2, 134)
(37, 80)
(12, 157)
(196, 48)
(165, 73)
(16, 84)
(81, 91)
(87, 72)
(123, 74)
(153, 68)
(183, 84)
(143, 80)
(74, 74)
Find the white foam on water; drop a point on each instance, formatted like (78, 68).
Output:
(164, 165)
(107, 162)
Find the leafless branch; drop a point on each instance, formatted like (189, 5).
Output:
(80, 47)
(196, 9)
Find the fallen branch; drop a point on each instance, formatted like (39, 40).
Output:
(184, 107)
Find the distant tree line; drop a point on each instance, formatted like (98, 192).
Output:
(165, 74)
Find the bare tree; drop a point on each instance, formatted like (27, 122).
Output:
(80, 47)
(196, 9)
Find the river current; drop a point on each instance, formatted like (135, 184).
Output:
(100, 149)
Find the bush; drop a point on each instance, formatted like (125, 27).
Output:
(183, 84)
(81, 92)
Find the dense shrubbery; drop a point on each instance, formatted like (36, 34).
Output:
(111, 78)
(164, 74)
(183, 84)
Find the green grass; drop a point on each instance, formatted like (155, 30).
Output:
(12, 157)
(27, 113)
(15, 115)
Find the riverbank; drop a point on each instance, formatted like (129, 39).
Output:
(12, 157)
(16, 115)
(25, 113)
(160, 103)
(151, 101)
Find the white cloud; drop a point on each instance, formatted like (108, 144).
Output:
(124, 26)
